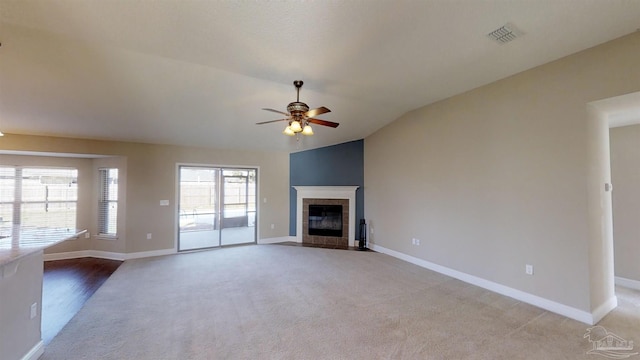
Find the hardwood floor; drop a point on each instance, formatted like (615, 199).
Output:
(66, 286)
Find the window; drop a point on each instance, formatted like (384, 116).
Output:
(38, 197)
(7, 193)
(108, 202)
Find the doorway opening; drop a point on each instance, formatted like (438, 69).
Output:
(217, 206)
(605, 273)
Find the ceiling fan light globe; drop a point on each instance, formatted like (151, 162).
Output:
(295, 126)
(288, 131)
(307, 130)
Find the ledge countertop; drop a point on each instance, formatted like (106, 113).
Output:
(20, 241)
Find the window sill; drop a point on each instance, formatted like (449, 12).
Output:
(106, 237)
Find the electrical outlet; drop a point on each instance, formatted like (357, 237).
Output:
(273, 226)
(149, 236)
(417, 241)
(87, 235)
(34, 310)
(528, 269)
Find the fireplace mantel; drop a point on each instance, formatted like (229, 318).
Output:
(327, 192)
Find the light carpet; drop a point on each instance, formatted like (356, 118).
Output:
(284, 302)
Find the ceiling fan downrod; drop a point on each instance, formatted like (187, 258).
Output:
(298, 85)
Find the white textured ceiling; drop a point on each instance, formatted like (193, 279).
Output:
(198, 72)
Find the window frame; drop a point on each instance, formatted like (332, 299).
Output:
(106, 197)
(20, 200)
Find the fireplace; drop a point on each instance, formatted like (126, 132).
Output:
(319, 208)
(325, 220)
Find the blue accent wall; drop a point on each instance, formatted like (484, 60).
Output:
(337, 165)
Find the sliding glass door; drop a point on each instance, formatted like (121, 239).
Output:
(238, 206)
(217, 207)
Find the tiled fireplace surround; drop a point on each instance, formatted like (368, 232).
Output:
(325, 240)
(326, 195)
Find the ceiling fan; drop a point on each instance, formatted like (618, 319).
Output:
(299, 117)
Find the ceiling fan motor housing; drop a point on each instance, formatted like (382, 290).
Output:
(297, 109)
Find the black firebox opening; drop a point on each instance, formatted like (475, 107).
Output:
(325, 220)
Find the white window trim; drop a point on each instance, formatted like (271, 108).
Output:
(107, 236)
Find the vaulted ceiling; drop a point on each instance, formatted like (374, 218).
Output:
(198, 73)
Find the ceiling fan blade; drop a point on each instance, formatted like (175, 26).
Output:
(324, 122)
(276, 111)
(317, 111)
(271, 121)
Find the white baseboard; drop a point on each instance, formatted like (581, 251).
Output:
(602, 310)
(107, 255)
(35, 352)
(67, 255)
(555, 307)
(152, 253)
(628, 283)
(277, 240)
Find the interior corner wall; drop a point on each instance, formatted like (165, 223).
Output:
(337, 165)
(625, 176)
(499, 176)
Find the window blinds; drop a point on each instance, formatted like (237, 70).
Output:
(108, 202)
(38, 197)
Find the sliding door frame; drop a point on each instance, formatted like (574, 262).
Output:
(221, 168)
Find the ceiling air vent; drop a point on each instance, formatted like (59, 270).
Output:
(504, 34)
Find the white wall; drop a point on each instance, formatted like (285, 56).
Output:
(496, 178)
(20, 287)
(625, 172)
